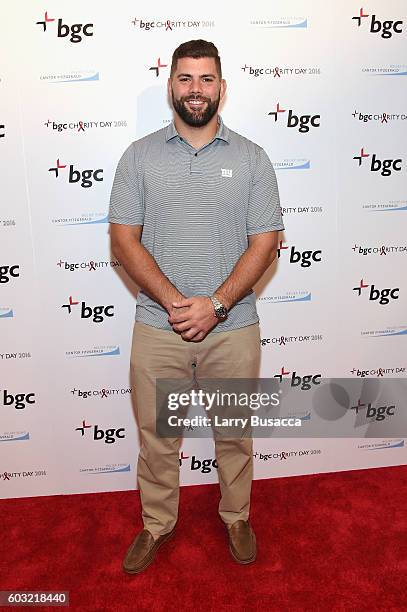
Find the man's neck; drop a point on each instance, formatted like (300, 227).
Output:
(196, 136)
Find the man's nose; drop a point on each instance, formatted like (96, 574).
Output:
(196, 86)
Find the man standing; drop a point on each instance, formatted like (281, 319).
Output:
(194, 216)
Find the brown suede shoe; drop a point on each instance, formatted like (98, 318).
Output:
(242, 542)
(142, 552)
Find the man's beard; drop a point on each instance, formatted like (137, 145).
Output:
(195, 118)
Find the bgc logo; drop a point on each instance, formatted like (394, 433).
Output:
(205, 466)
(84, 177)
(385, 166)
(74, 31)
(377, 414)
(95, 313)
(108, 435)
(386, 29)
(304, 383)
(304, 258)
(19, 400)
(382, 295)
(9, 271)
(303, 122)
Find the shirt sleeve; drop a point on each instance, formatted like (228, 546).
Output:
(264, 211)
(126, 202)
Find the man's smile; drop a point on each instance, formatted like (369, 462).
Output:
(196, 104)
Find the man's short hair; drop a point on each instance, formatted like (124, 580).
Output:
(197, 49)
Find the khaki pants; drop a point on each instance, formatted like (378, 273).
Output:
(158, 353)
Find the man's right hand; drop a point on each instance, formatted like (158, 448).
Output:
(172, 310)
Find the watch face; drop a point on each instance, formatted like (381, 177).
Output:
(221, 312)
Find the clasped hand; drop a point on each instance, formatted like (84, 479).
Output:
(193, 318)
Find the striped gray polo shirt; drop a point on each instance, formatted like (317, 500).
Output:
(197, 208)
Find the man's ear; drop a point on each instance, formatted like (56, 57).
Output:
(223, 87)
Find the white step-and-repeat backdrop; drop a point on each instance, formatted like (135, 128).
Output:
(322, 88)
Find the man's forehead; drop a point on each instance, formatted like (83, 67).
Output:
(196, 65)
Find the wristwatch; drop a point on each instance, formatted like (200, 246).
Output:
(220, 311)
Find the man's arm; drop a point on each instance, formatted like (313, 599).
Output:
(141, 266)
(251, 266)
(196, 322)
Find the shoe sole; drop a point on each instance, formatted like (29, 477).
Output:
(245, 561)
(150, 558)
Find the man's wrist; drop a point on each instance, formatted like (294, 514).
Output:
(223, 300)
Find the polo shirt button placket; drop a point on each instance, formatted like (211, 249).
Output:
(194, 163)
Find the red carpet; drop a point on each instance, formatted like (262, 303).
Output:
(326, 542)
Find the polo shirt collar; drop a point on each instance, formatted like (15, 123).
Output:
(221, 134)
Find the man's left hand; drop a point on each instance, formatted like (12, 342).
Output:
(196, 321)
